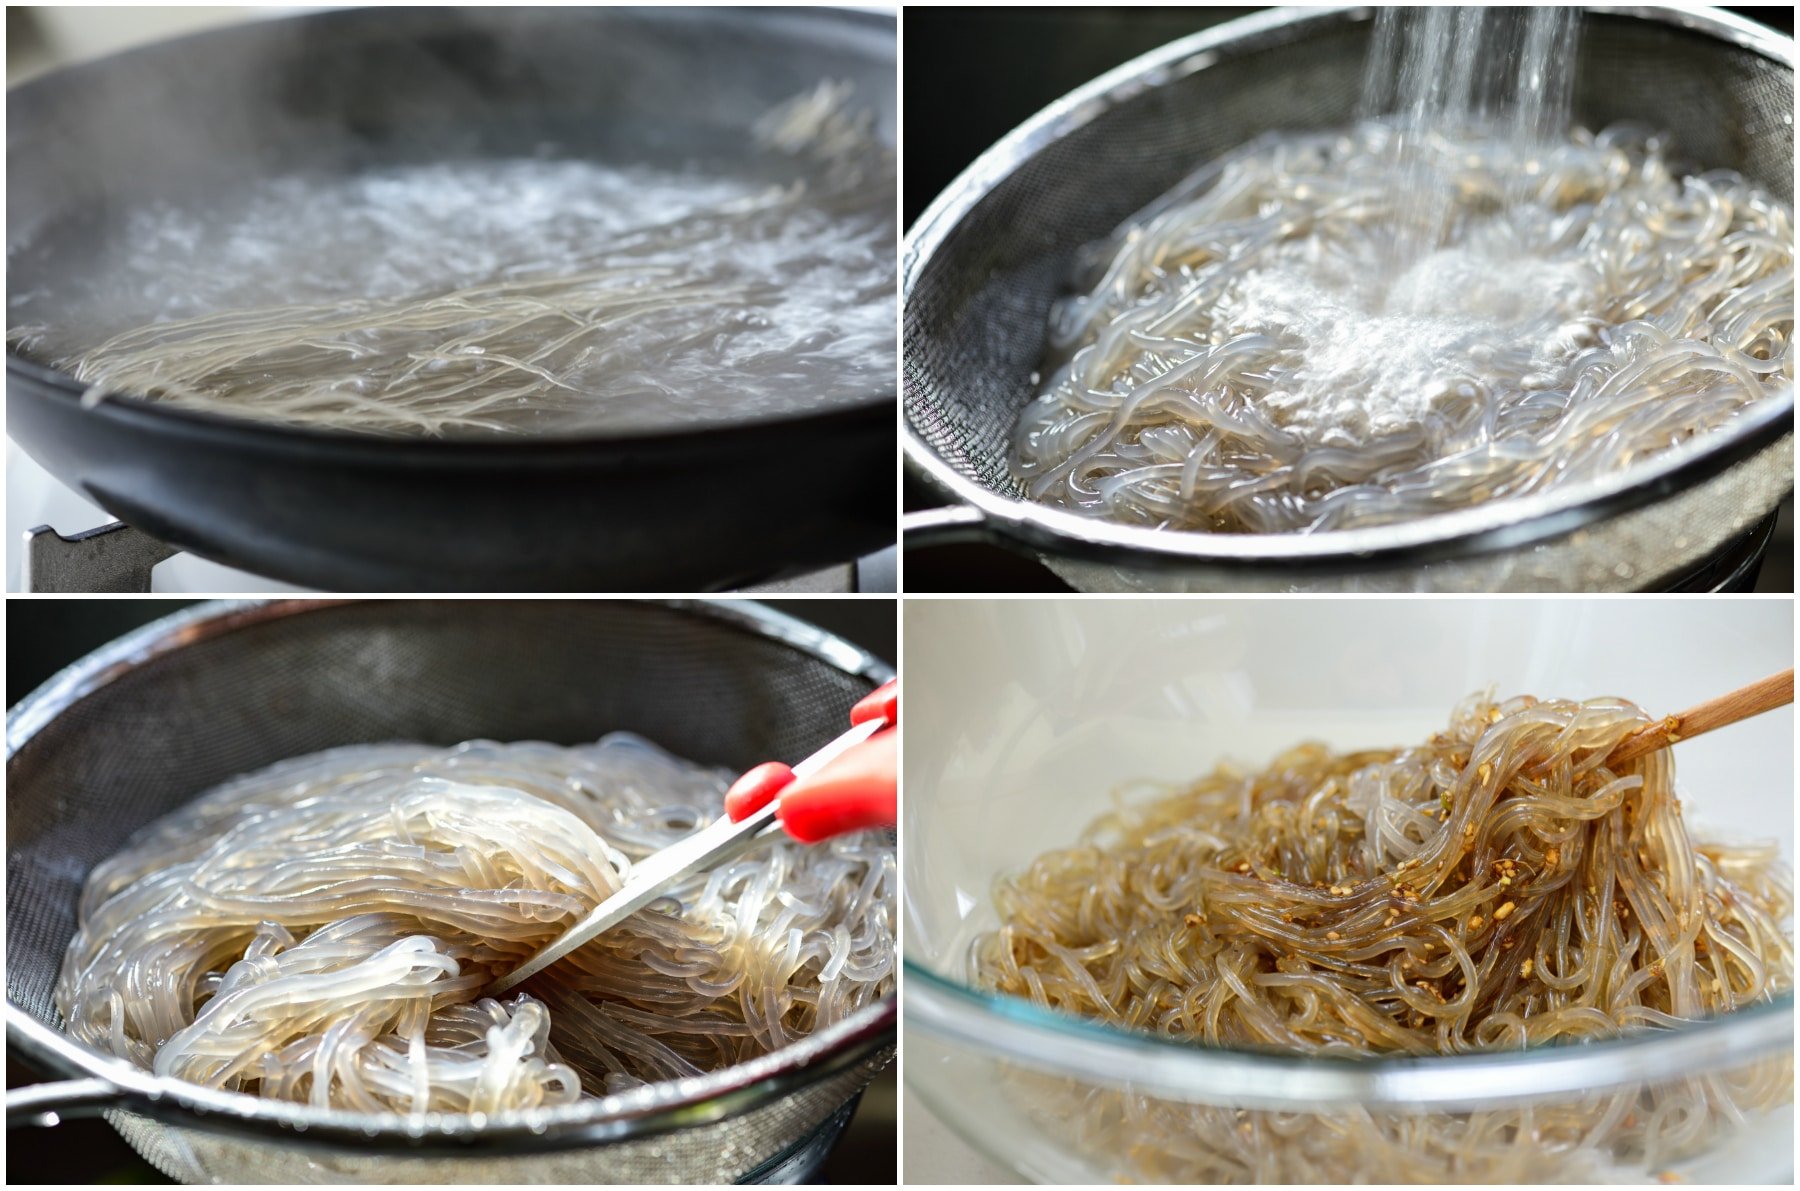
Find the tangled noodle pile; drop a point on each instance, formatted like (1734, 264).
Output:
(1254, 353)
(319, 931)
(1497, 887)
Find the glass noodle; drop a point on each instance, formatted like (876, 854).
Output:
(1322, 332)
(1496, 887)
(532, 294)
(320, 931)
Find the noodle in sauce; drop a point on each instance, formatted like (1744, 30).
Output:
(1497, 887)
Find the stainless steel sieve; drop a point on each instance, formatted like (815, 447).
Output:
(981, 267)
(158, 717)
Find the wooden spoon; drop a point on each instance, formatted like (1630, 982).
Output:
(1777, 690)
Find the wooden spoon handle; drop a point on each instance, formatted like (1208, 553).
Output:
(1777, 690)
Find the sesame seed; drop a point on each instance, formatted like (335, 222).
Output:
(1503, 911)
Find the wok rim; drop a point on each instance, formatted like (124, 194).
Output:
(150, 416)
(1484, 529)
(645, 1111)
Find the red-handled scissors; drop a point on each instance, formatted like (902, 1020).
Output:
(846, 786)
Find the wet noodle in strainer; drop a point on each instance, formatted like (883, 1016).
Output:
(1252, 355)
(320, 931)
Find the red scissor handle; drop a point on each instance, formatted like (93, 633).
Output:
(853, 793)
(881, 703)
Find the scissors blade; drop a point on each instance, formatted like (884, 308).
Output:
(711, 846)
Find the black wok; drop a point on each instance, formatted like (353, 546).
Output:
(180, 121)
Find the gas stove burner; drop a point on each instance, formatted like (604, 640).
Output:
(110, 559)
(116, 558)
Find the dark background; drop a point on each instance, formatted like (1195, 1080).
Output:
(974, 74)
(43, 636)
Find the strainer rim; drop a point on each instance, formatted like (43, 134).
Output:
(653, 1108)
(1486, 528)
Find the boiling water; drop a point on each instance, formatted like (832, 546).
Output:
(530, 294)
(1440, 307)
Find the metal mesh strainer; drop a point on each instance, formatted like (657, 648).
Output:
(983, 264)
(156, 718)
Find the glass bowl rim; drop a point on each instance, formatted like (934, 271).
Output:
(1059, 1044)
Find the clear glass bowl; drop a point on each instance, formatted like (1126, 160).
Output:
(1023, 716)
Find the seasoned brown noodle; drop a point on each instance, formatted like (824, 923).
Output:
(1496, 887)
